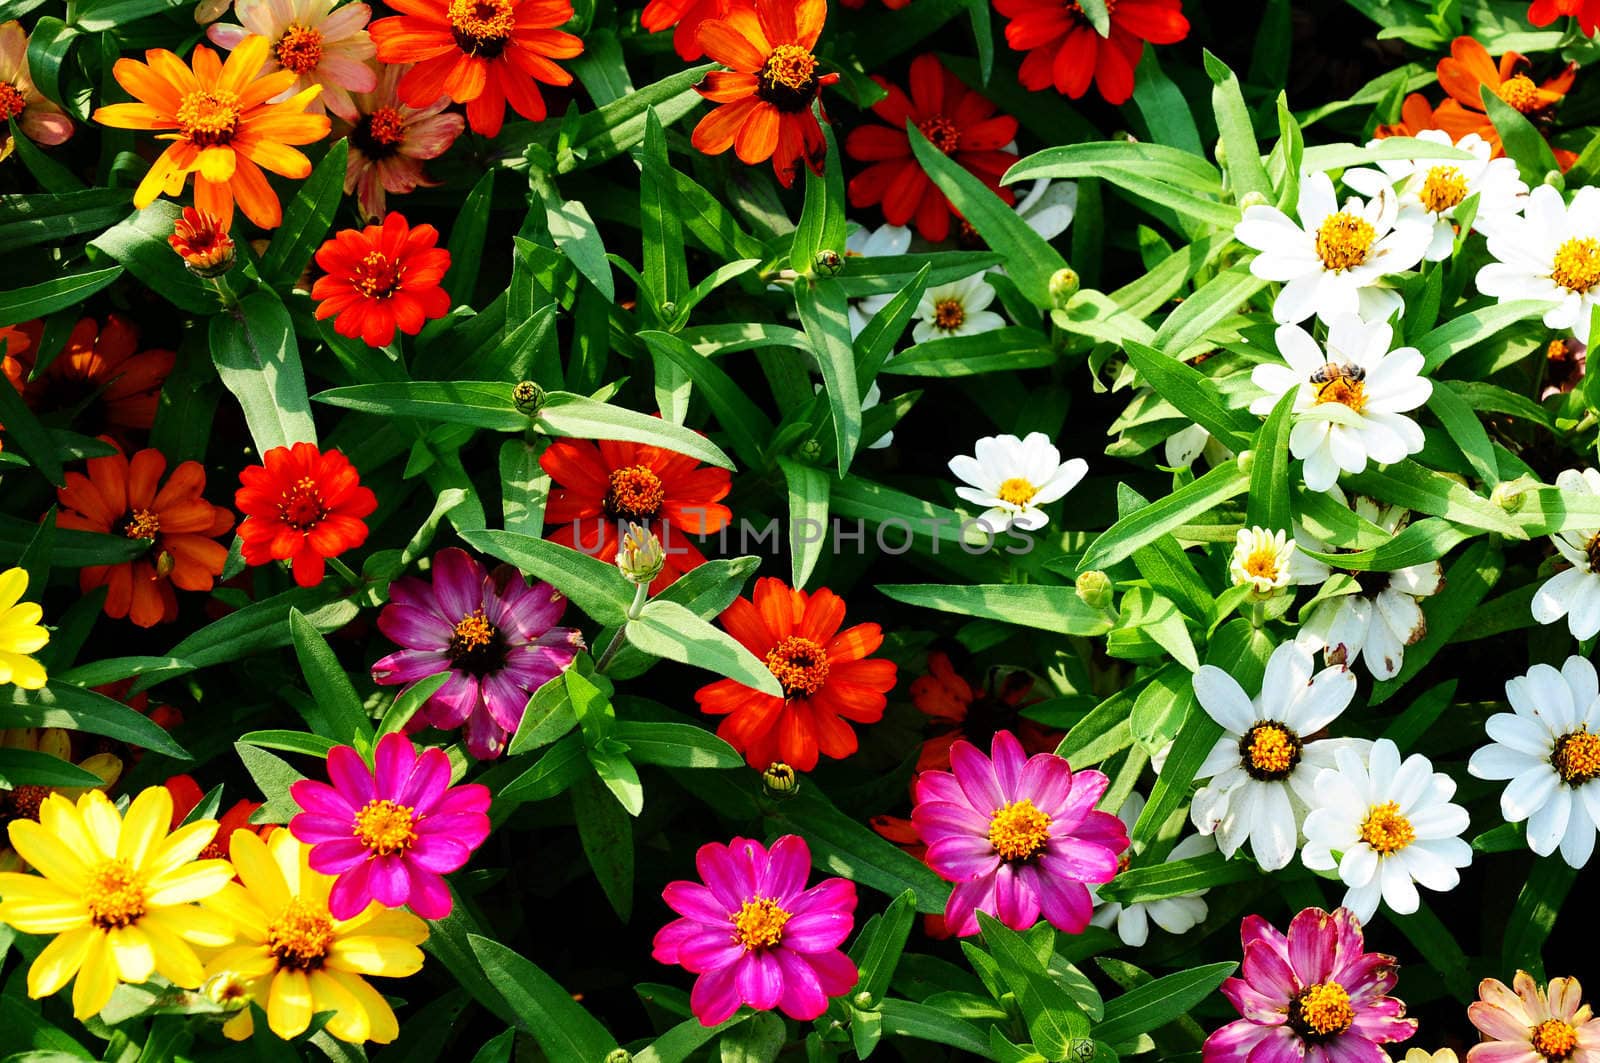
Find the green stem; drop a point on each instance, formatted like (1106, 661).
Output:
(346, 573)
(640, 593)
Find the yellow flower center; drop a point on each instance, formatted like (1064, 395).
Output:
(209, 117)
(141, 524)
(1262, 564)
(115, 895)
(1343, 384)
(1343, 240)
(1520, 92)
(1018, 830)
(949, 315)
(1386, 830)
(299, 49)
(1577, 264)
(386, 126)
(301, 506)
(1554, 1039)
(788, 79)
(1444, 188)
(941, 133)
(759, 924)
(1322, 1010)
(800, 665)
(1576, 757)
(12, 101)
(385, 827)
(635, 493)
(472, 632)
(376, 277)
(299, 939)
(1269, 751)
(482, 27)
(1016, 491)
(1592, 549)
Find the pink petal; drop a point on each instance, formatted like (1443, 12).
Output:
(338, 856)
(714, 999)
(350, 775)
(760, 980)
(352, 892)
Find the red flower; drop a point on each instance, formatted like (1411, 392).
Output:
(956, 120)
(1587, 12)
(202, 243)
(826, 675)
(1065, 51)
(186, 795)
(302, 505)
(956, 711)
(601, 486)
(382, 277)
(892, 5)
(686, 16)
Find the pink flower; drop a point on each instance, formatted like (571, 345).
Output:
(389, 141)
(1313, 995)
(39, 118)
(1017, 835)
(1527, 1026)
(755, 935)
(390, 834)
(323, 46)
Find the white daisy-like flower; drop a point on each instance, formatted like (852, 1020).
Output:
(1175, 915)
(1388, 827)
(1551, 252)
(1438, 186)
(1049, 206)
(1263, 769)
(1351, 400)
(1377, 623)
(956, 309)
(863, 242)
(1549, 747)
(1333, 261)
(1268, 562)
(1014, 477)
(1574, 592)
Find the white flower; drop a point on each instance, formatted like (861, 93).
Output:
(1377, 623)
(1574, 592)
(1268, 562)
(1549, 747)
(1014, 477)
(1351, 401)
(1388, 827)
(1049, 206)
(1182, 447)
(1175, 915)
(1551, 252)
(873, 243)
(1438, 186)
(1262, 770)
(956, 309)
(1334, 260)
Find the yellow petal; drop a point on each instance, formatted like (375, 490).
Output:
(289, 1005)
(181, 847)
(54, 741)
(206, 929)
(16, 886)
(132, 951)
(60, 819)
(59, 961)
(388, 957)
(261, 874)
(240, 1027)
(25, 672)
(380, 1016)
(175, 960)
(44, 917)
(48, 853)
(195, 882)
(96, 979)
(13, 582)
(247, 961)
(145, 825)
(216, 164)
(106, 766)
(102, 819)
(349, 1022)
(235, 904)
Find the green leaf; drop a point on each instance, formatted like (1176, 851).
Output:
(263, 625)
(877, 949)
(1243, 156)
(561, 765)
(24, 431)
(29, 220)
(1268, 505)
(1007, 349)
(595, 586)
(312, 745)
(1176, 878)
(1055, 1022)
(139, 243)
(1417, 544)
(409, 701)
(306, 219)
(748, 428)
(60, 704)
(1466, 330)
(329, 683)
(45, 298)
(1216, 301)
(1466, 432)
(620, 125)
(565, 414)
(678, 1043)
(1048, 608)
(606, 832)
(29, 767)
(258, 360)
(541, 1007)
(1194, 394)
(676, 745)
(666, 271)
(825, 317)
(575, 235)
(667, 629)
(467, 238)
(1523, 143)
(903, 1018)
(808, 509)
(822, 216)
(1154, 1004)
(1164, 516)
(1163, 107)
(273, 777)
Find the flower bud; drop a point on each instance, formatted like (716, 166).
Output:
(1221, 154)
(828, 262)
(1064, 284)
(1555, 179)
(1094, 589)
(639, 555)
(528, 396)
(1245, 460)
(619, 1055)
(165, 563)
(1510, 494)
(227, 989)
(811, 450)
(1254, 199)
(780, 780)
(863, 1000)
(203, 244)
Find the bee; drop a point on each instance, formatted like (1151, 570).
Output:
(1335, 376)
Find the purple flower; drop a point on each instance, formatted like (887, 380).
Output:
(390, 834)
(1018, 835)
(755, 935)
(1314, 994)
(492, 632)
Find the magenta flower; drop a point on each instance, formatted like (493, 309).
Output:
(493, 633)
(1524, 1024)
(1314, 994)
(390, 834)
(755, 935)
(1018, 836)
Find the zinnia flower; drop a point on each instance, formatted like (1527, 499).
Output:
(1270, 561)
(483, 53)
(959, 710)
(1553, 253)
(187, 795)
(826, 674)
(1013, 478)
(323, 47)
(493, 634)
(302, 505)
(960, 308)
(390, 141)
(684, 18)
(1314, 994)
(1175, 915)
(117, 892)
(1548, 746)
(1067, 52)
(1574, 592)
(101, 376)
(391, 832)
(380, 278)
(765, 98)
(40, 119)
(755, 935)
(1468, 69)
(959, 122)
(20, 633)
(227, 131)
(295, 958)
(1018, 836)
(597, 487)
(1416, 115)
(1528, 1026)
(22, 802)
(125, 496)
(202, 243)
(1543, 12)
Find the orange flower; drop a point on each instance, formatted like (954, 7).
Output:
(1468, 69)
(122, 496)
(1416, 114)
(101, 376)
(302, 505)
(826, 675)
(686, 18)
(227, 130)
(382, 277)
(766, 97)
(956, 711)
(483, 53)
(186, 795)
(202, 243)
(1587, 12)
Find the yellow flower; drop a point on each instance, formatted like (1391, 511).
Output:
(23, 802)
(117, 892)
(20, 633)
(295, 959)
(1421, 1055)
